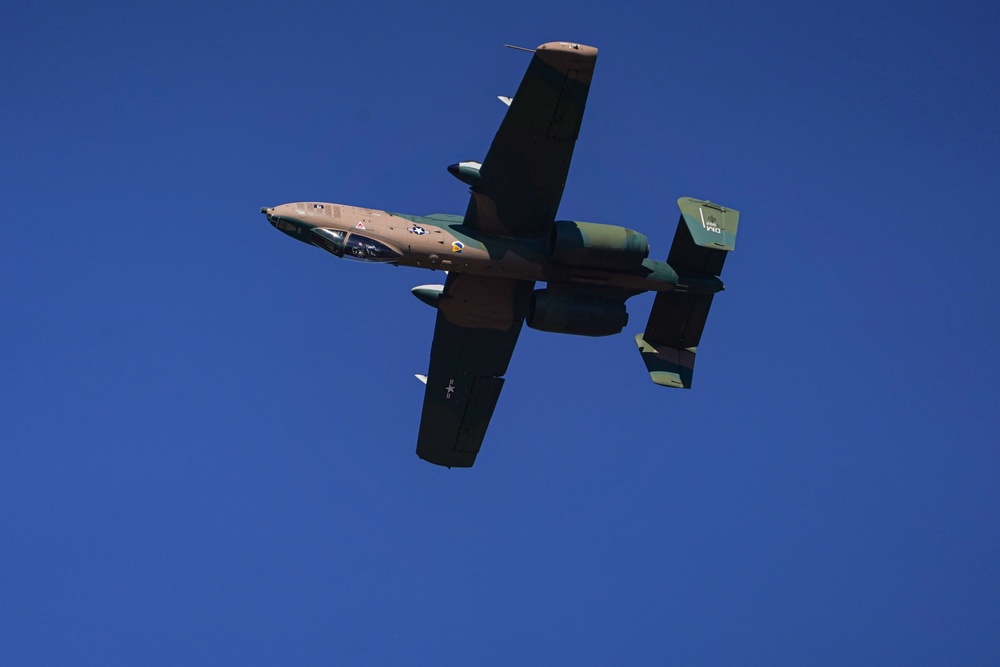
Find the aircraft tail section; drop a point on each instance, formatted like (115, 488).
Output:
(706, 233)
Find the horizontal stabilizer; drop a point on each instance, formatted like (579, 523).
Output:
(667, 366)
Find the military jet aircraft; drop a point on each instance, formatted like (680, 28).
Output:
(508, 240)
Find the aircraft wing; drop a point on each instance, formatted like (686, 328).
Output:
(478, 322)
(522, 177)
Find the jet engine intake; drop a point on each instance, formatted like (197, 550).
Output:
(579, 314)
(593, 245)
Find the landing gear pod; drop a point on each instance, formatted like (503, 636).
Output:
(467, 172)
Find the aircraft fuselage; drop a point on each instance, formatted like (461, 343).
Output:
(442, 242)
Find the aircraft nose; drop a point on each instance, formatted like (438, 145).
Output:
(267, 210)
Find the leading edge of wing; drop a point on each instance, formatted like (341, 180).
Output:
(478, 322)
(524, 172)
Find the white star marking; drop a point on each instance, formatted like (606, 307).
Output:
(450, 388)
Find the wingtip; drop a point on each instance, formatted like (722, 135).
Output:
(568, 55)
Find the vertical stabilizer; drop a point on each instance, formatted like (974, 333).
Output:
(706, 233)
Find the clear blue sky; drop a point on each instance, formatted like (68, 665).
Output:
(207, 430)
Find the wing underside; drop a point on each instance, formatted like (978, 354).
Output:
(478, 323)
(524, 172)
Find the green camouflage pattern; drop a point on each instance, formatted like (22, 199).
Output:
(508, 241)
(667, 366)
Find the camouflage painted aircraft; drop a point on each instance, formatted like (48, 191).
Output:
(508, 240)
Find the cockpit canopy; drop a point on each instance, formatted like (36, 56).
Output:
(353, 246)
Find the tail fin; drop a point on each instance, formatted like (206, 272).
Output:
(706, 233)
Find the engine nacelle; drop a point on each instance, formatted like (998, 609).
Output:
(579, 314)
(593, 245)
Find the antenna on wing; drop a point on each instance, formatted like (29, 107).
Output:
(519, 48)
(503, 98)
